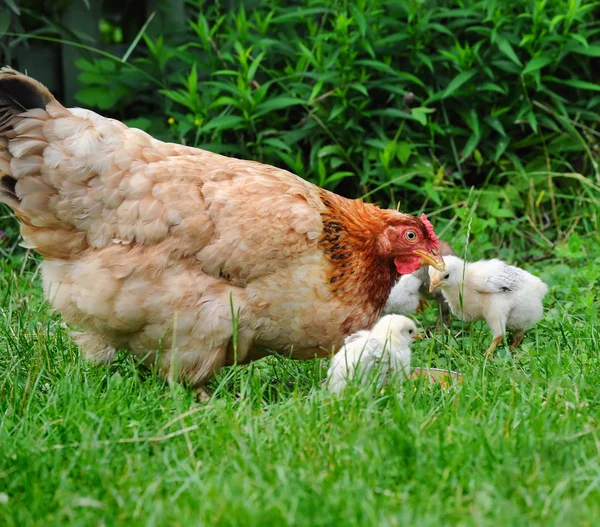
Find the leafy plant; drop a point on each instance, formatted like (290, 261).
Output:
(394, 100)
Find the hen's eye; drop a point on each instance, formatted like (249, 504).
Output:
(411, 235)
(447, 276)
(410, 331)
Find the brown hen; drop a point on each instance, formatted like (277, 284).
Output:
(150, 245)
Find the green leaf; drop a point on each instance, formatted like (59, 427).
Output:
(490, 86)
(11, 4)
(495, 123)
(98, 97)
(503, 213)
(575, 83)
(470, 146)
(225, 101)
(579, 38)
(360, 88)
(457, 82)
(223, 122)
(425, 60)
(138, 37)
(93, 77)
(277, 103)
(336, 176)
(532, 119)
(403, 151)
(192, 80)
(254, 66)
(473, 121)
(420, 114)
(377, 65)
(277, 143)
(141, 122)
(503, 142)
(591, 50)
(507, 49)
(536, 64)
(360, 19)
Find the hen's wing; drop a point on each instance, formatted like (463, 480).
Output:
(77, 180)
(496, 276)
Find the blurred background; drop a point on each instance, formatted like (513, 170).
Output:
(485, 111)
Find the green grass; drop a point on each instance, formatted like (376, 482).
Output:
(517, 444)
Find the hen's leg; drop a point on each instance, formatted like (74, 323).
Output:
(308, 354)
(192, 367)
(202, 394)
(517, 339)
(95, 348)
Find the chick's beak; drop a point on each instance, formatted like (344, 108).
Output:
(418, 336)
(431, 258)
(434, 284)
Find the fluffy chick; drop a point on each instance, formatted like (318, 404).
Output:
(405, 297)
(503, 295)
(381, 351)
(411, 293)
(423, 275)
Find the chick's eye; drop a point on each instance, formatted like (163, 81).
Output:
(410, 331)
(411, 236)
(447, 276)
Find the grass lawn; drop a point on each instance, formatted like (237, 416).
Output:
(517, 444)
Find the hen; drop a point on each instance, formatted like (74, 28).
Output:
(374, 355)
(505, 296)
(151, 245)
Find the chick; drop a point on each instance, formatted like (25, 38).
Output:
(505, 296)
(381, 351)
(405, 297)
(411, 293)
(423, 274)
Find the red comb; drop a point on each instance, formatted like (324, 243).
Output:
(435, 242)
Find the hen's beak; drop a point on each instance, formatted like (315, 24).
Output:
(418, 336)
(433, 285)
(431, 258)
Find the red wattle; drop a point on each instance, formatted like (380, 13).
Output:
(407, 266)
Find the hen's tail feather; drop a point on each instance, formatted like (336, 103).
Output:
(18, 94)
(7, 182)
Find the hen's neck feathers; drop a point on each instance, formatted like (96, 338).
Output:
(350, 241)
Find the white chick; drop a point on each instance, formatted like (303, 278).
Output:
(505, 296)
(411, 293)
(381, 351)
(405, 297)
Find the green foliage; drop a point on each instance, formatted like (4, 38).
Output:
(409, 100)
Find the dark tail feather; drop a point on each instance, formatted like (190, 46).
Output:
(19, 93)
(7, 191)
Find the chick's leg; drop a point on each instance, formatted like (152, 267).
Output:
(422, 305)
(497, 323)
(490, 352)
(518, 337)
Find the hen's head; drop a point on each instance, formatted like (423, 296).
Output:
(411, 242)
